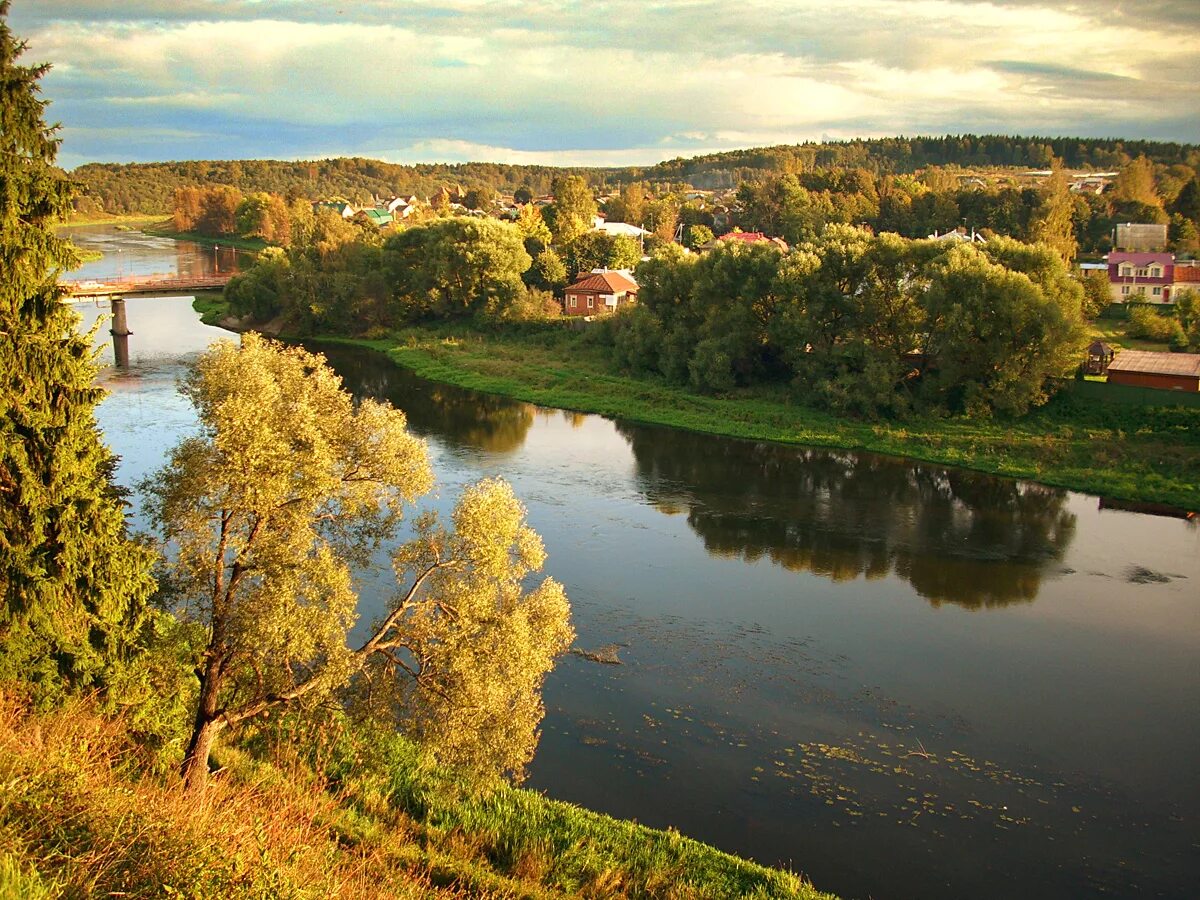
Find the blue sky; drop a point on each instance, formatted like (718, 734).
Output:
(610, 82)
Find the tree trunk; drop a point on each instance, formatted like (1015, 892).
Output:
(204, 729)
(195, 763)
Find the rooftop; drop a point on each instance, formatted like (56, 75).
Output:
(604, 282)
(1148, 361)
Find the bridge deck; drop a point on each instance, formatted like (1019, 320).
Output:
(144, 284)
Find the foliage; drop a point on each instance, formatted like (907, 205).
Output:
(288, 486)
(574, 207)
(72, 584)
(862, 324)
(479, 644)
(456, 267)
(695, 236)
(1147, 322)
(1096, 294)
(597, 250)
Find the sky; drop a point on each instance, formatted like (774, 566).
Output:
(608, 82)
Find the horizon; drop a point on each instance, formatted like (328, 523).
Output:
(608, 85)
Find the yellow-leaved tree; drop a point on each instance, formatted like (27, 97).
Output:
(289, 487)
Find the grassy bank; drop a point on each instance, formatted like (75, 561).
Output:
(165, 228)
(132, 220)
(1129, 452)
(80, 816)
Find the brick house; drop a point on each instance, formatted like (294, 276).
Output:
(598, 293)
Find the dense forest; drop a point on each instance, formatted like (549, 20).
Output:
(149, 187)
(903, 155)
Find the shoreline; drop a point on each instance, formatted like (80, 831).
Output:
(1103, 459)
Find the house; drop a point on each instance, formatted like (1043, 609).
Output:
(746, 237)
(341, 207)
(1186, 278)
(614, 228)
(1099, 355)
(1142, 276)
(600, 291)
(1140, 236)
(958, 235)
(376, 217)
(1167, 371)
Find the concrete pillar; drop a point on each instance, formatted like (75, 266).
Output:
(120, 333)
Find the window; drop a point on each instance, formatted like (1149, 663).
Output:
(1141, 290)
(1157, 292)
(1124, 289)
(591, 302)
(1155, 272)
(1125, 269)
(573, 301)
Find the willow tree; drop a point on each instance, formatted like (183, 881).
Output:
(72, 586)
(289, 487)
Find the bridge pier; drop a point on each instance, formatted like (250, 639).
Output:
(120, 333)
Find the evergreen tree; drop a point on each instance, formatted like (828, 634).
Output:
(72, 585)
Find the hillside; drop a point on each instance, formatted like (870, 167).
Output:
(148, 187)
(83, 814)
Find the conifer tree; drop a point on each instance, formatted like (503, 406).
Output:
(72, 584)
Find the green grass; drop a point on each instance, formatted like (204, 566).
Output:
(165, 228)
(115, 219)
(82, 816)
(1114, 331)
(210, 305)
(1131, 453)
(1128, 452)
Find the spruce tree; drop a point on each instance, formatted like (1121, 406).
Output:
(72, 584)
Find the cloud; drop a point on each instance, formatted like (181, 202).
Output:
(597, 80)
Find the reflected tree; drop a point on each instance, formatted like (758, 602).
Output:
(957, 537)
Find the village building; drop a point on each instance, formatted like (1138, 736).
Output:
(376, 217)
(1099, 355)
(600, 292)
(1166, 371)
(341, 207)
(1142, 276)
(617, 228)
(1140, 236)
(746, 237)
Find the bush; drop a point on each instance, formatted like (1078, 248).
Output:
(1147, 323)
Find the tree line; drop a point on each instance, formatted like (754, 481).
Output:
(866, 325)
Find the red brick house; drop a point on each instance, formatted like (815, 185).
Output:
(598, 293)
(1144, 368)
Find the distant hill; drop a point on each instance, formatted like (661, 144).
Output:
(148, 187)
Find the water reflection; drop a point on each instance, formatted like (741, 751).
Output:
(460, 419)
(958, 537)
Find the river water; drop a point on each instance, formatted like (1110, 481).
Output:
(901, 680)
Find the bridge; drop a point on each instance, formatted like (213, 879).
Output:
(134, 285)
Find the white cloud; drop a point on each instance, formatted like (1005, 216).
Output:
(623, 77)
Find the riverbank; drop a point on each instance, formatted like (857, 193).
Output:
(165, 228)
(82, 815)
(1123, 451)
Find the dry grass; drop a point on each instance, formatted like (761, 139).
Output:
(72, 810)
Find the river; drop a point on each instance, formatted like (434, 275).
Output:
(901, 680)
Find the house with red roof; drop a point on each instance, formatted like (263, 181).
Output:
(599, 292)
